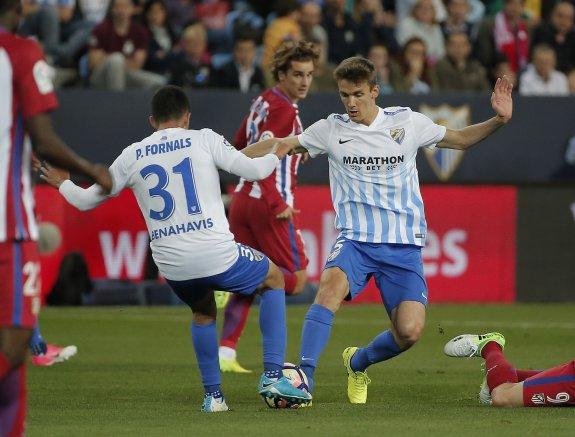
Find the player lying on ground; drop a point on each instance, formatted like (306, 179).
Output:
(26, 99)
(262, 213)
(174, 176)
(505, 386)
(379, 212)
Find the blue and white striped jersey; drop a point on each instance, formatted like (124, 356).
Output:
(372, 172)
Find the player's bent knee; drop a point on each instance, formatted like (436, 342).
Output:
(410, 334)
(301, 281)
(501, 397)
(275, 278)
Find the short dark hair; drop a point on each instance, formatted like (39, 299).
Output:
(356, 69)
(290, 51)
(8, 5)
(169, 103)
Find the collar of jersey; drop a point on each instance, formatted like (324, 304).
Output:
(374, 124)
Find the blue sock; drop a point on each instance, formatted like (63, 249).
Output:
(314, 337)
(274, 331)
(37, 344)
(205, 340)
(383, 347)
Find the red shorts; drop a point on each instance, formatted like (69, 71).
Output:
(253, 224)
(551, 388)
(19, 284)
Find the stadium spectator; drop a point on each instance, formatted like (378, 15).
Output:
(118, 51)
(376, 25)
(456, 21)
(412, 73)
(502, 68)
(505, 33)
(422, 24)
(558, 32)
(457, 71)
(180, 14)
(310, 22)
(323, 71)
(404, 8)
(241, 73)
(213, 14)
(56, 24)
(342, 31)
(541, 77)
(162, 36)
(94, 10)
(285, 27)
(191, 67)
(379, 55)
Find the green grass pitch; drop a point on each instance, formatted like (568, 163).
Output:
(135, 375)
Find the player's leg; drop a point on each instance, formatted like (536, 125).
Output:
(19, 306)
(552, 387)
(238, 307)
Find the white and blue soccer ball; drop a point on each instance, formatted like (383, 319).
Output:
(297, 378)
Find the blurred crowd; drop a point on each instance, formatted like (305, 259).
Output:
(417, 46)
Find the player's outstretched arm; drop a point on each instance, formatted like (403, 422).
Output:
(49, 146)
(83, 199)
(278, 146)
(502, 104)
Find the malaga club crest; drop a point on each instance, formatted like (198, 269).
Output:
(397, 135)
(445, 161)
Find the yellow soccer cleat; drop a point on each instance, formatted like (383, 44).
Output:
(357, 382)
(222, 298)
(232, 366)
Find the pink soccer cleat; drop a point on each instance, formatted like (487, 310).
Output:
(55, 354)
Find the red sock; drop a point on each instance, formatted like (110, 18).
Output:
(290, 281)
(499, 370)
(522, 375)
(235, 318)
(5, 366)
(13, 405)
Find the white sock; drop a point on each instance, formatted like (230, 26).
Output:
(227, 353)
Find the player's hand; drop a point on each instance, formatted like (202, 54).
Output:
(102, 177)
(501, 100)
(287, 214)
(52, 175)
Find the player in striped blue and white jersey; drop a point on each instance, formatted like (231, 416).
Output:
(379, 212)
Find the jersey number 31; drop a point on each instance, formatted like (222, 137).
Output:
(186, 171)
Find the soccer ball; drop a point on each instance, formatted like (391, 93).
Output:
(297, 378)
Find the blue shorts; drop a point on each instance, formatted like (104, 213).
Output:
(244, 277)
(397, 268)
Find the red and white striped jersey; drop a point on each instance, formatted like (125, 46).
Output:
(26, 90)
(272, 114)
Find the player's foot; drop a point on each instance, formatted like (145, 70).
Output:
(357, 382)
(282, 388)
(484, 393)
(232, 366)
(214, 405)
(54, 354)
(471, 345)
(222, 298)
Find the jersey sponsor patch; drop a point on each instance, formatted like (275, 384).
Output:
(43, 77)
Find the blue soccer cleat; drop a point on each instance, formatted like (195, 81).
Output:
(214, 404)
(281, 388)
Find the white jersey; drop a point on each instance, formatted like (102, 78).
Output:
(372, 172)
(173, 174)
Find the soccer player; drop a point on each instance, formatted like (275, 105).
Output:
(505, 386)
(173, 174)
(26, 98)
(379, 212)
(262, 213)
